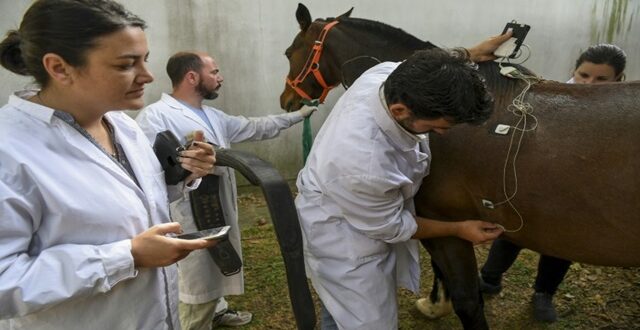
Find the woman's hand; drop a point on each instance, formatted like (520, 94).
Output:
(199, 158)
(152, 248)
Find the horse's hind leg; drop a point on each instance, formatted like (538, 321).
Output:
(456, 266)
(438, 304)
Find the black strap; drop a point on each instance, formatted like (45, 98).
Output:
(207, 213)
(167, 148)
(283, 214)
(286, 224)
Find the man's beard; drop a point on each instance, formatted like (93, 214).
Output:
(406, 124)
(207, 94)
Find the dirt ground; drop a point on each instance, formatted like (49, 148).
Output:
(590, 297)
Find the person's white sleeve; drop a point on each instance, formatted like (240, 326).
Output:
(29, 283)
(240, 128)
(150, 125)
(191, 186)
(374, 206)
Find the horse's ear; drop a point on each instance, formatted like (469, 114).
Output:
(347, 14)
(303, 16)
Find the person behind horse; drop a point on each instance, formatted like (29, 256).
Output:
(598, 64)
(83, 207)
(195, 77)
(356, 191)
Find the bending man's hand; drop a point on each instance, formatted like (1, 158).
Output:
(484, 51)
(475, 231)
(478, 232)
(199, 159)
(153, 249)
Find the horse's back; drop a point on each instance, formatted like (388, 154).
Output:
(578, 183)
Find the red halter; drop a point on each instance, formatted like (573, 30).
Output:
(313, 66)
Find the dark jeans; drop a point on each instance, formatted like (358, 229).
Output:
(503, 254)
(326, 320)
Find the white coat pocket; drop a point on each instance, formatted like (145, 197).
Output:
(334, 238)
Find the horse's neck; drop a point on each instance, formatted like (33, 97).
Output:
(503, 89)
(361, 48)
(385, 48)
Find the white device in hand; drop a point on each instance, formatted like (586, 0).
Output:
(507, 49)
(218, 233)
(510, 47)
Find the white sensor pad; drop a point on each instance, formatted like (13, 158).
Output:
(506, 49)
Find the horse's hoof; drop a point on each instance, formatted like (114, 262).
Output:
(433, 311)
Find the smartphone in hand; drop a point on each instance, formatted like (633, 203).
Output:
(218, 233)
(510, 47)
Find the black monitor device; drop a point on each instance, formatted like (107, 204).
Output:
(511, 47)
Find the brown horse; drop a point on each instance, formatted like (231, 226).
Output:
(316, 64)
(577, 193)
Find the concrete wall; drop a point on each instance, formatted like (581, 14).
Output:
(248, 39)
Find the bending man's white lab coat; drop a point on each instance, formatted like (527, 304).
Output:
(200, 278)
(356, 207)
(67, 216)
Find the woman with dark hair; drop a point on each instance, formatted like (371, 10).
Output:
(83, 201)
(598, 64)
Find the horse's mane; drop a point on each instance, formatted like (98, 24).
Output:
(503, 89)
(386, 31)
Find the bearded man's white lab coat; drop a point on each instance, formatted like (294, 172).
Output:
(200, 278)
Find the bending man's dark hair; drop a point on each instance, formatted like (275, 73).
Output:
(181, 63)
(604, 54)
(68, 28)
(437, 83)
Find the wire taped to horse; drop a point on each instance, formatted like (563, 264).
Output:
(285, 222)
(521, 109)
(346, 84)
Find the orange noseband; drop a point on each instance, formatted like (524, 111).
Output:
(313, 66)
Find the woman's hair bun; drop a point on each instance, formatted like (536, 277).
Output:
(11, 55)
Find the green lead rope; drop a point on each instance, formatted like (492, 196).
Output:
(307, 136)
(307, 139)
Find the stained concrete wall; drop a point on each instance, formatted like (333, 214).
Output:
(248, 39)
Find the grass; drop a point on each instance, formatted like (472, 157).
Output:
(589, 298)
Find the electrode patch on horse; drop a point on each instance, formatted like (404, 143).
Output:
(502, 129)
(487, 203)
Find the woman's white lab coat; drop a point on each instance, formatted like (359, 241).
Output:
(200, 278)
(67, 216)
(356, 207)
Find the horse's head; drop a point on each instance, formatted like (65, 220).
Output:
(310, 77)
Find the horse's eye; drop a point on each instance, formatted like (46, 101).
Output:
(288, 52)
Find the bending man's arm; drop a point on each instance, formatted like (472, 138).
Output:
(475, 231)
